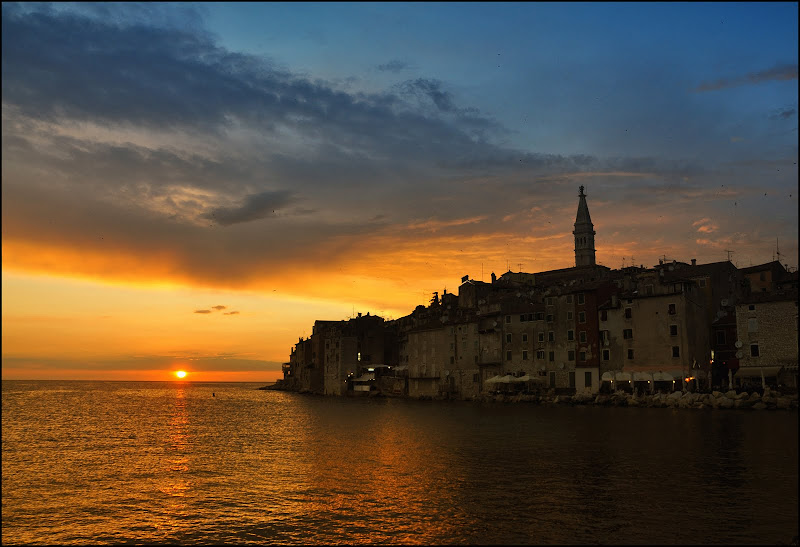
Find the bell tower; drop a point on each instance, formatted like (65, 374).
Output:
(584, 234)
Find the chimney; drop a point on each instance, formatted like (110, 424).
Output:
(694, 262)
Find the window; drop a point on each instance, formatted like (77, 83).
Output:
(571, 355)
(572, 379)
(569, 299)
(569, 316)
(587, 379)
(476, 378)
(582, 356)
(452, 359)
(648, 290)
(754, 350)
(522, 318)
(524, 355)
(508, 355)
(720, 337)
(676, 351)
(552, 379)
(451, 346)
(551, 356)
(606, 355)
(570, 335)
(508, 319)
(508, 338)
(702, 283)
(751, 307)
(630, 354)
(673, 330)
(628, 313)
(540, 355)
(549, 300)
(549, 317)
(581, 299)
(627, 334)
(583, 337)
(752, 325)
(540, 316)
(603, 315)
(671, 309)
(582, 317)
(551, 336)
(525, 337)
(541, 337)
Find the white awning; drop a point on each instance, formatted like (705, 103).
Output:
(607, 377)
(622, 376)
(662, 377)
(642, 377)
(755, 372)
(365, 377)
(494, 380)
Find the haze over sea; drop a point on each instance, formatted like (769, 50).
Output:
(181, 462)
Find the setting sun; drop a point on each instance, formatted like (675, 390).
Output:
(181, 374)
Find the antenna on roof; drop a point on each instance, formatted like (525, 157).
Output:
(777, 249)
(729, 254)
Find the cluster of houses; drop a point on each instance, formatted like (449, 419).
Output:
(587, 328)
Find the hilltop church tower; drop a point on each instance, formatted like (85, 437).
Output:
(584, 234)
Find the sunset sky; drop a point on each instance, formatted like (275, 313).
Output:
(191, 186)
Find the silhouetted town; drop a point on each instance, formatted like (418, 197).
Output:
(584, 330)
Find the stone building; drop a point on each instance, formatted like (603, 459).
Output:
(766, 325)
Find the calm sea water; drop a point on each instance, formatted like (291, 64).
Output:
(127, 462)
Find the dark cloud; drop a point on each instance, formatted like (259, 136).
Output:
(64, 66)
(779, 73)
(393, 66)
(783, 113)
(202, 311)
(231, 313)
(218, 307)
(253, 207)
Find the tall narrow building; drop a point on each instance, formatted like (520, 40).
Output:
(584, 234)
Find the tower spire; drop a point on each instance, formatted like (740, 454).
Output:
(584, 234)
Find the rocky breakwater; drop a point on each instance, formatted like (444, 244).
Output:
(715, 400)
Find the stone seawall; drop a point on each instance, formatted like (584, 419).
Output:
(717, 399)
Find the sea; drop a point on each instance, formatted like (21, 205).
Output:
(213, 463)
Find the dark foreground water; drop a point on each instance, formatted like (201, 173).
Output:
(126, 462)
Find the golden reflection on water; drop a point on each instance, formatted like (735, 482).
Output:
(177, 462)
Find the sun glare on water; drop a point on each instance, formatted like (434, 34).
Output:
(180, 374)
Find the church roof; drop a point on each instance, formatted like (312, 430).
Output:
(583, 210)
